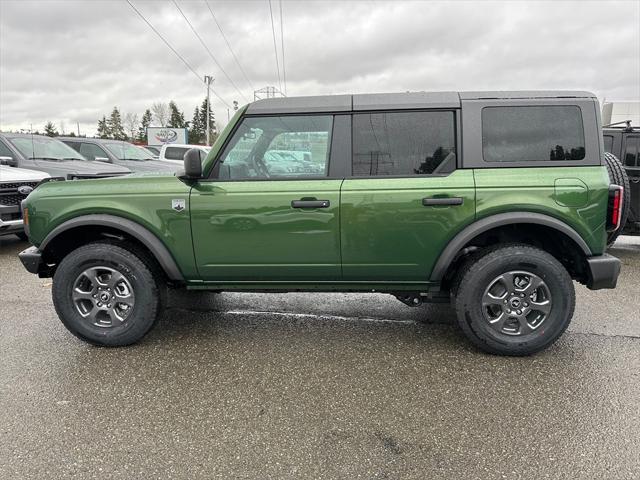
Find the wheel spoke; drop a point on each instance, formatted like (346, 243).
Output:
(542, 307)
(524, 325)
(80, 295)
(491, 299)
(498, 323)
(508, 279)
(114, 279)
(534, 284)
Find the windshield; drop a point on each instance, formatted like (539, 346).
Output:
(127, 151)
(45, 148)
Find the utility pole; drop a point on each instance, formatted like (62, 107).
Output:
(208, 79)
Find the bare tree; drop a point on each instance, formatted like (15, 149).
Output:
(160, 113)
(131, 124)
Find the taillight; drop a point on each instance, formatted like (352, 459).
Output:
(614, 210)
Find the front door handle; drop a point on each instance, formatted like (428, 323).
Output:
(432, 202)
(310, 204)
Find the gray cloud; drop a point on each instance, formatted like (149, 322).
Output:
(72, 61)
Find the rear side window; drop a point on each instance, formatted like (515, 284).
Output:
(532, 134)
(403, 143)
(631, 152)
(175, 153)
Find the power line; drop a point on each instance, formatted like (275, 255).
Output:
(284, 73)
(275, 47)
(208, 51)
(165, 41)
(173, 49)
(244, 74)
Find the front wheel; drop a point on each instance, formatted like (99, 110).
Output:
(106, 295)
(514, 300)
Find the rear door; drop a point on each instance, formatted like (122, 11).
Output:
(405, 198)
(271, 211)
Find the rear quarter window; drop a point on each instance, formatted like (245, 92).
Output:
(532, 134)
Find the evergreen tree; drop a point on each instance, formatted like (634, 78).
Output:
(176, 117)
(114, 124)
(196, 129)
(203, 122)
(103, 128)
(146, 122)
(50, 130)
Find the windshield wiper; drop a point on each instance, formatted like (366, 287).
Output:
(137, 159)
(74, 158)
(45, 158)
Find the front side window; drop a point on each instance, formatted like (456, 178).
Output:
(175, 153)
(278, 147)
(92, 151)
(532, 134)
(403, 143)
(631, 152)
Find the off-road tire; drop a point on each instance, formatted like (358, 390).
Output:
(138, 270)
(494, 262)
(618, 176)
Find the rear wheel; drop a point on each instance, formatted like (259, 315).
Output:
(514, 300)
(618, 176)
(106, 294)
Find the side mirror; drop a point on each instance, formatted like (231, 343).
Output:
(193, 163)
(102, 159)
(8, 161)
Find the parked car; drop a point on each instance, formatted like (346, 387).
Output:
(37, 152)
(15, 185)
(118, 152)
(174, 153)
(493, 201)
(623, 141)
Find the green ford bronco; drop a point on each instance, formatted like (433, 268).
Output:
(494, 201)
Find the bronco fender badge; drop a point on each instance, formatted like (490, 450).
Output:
(178, 204)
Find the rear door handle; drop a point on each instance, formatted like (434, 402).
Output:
(432, 202)
(310, 203)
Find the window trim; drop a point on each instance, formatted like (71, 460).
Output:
(531, 161)
(215, 169)
(456, 140)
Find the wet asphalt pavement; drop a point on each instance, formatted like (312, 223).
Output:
(316, 386)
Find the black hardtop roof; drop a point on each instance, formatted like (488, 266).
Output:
(395, 101)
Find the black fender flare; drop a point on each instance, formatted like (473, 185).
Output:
(470, 231)
(137, 231)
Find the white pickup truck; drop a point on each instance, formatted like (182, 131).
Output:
(174, 152)
(15, 185)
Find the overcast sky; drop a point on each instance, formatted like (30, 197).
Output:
(72, 61)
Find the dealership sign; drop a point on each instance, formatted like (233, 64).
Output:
(162, 135)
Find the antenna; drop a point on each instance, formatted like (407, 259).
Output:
(33, 145)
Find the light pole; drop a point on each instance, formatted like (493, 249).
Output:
(208, 79)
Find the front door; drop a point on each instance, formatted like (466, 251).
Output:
(270, 212)
(405, 199)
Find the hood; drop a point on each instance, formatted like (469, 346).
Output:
(62, 168)
(14, 174)
(149, 166)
